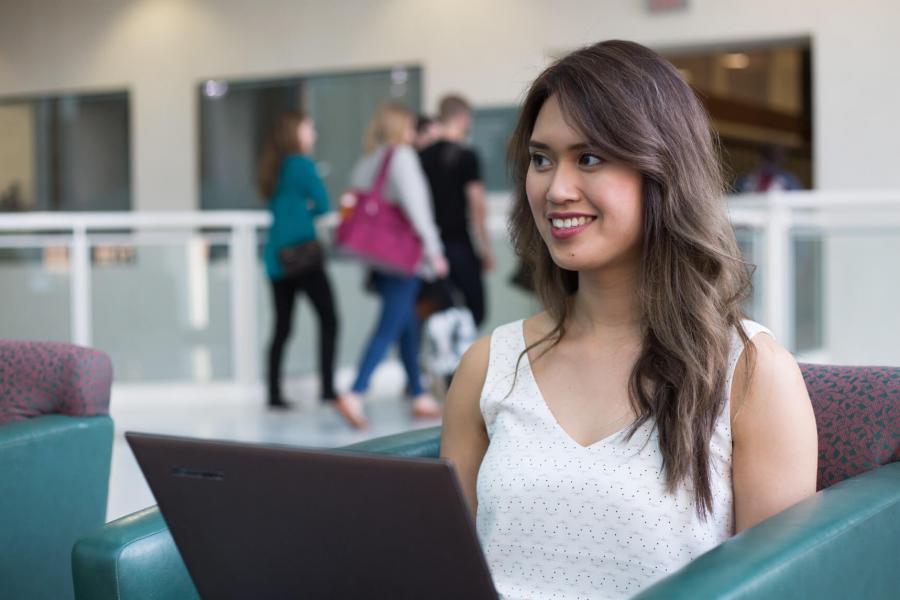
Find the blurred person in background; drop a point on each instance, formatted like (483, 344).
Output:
(771, 174)
(394, 128)
(454, 176)
(428, 131)
(288, 179)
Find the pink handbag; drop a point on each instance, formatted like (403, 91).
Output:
(378, 232)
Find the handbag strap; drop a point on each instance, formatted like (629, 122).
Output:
(378, 186)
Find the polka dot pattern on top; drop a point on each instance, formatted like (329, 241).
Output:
(558, 520)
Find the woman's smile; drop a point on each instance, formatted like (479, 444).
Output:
(567, 225)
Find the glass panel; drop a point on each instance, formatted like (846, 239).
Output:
(757, 96)
(861, 288)
(36, 297)
(66, 153)
(750, 241)
(163, 310)
(808, 291)
(506, 302)
(491, 130)
(342, 106)
(17, 156)
(235, 118)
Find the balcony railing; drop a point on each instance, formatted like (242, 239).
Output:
(182, 297)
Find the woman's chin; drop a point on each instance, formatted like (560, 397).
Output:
(572, 263)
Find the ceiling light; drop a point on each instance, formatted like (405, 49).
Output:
(215, 88)
(735, 60)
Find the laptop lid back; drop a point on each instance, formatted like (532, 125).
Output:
(256, 521)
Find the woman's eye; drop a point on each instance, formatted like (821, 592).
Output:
(539, 160)
(589, 160)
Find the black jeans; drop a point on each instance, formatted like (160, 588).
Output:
(316, 285)
(465, 275)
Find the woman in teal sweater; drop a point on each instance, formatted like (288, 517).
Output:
(288, 179)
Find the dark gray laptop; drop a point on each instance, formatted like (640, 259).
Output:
(261, 521)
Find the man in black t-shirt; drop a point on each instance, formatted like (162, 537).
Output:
(454, 174)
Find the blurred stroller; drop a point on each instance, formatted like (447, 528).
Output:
(448, 329)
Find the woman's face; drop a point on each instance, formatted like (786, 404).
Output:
(588, 210)
(307, 136)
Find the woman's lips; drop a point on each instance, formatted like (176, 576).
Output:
(565, 227)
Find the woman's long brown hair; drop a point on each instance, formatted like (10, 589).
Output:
(282, 141)
(634, 107)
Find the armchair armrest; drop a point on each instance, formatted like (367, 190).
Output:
(131, 558)
(841, 543)
(421, 443)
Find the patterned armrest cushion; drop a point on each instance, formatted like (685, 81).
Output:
(40, 378)
(858, 418)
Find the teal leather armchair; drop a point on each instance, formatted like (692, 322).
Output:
(55, 448)
(840, 543)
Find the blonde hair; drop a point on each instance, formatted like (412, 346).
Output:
(388, 126)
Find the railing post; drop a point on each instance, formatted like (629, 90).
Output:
(80, 274)
(244, 330)
(778, 268)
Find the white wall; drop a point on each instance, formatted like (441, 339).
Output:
(160, 50)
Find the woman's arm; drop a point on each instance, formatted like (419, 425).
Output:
(304, 181)
(464, 439)
(316, 188)
(475, 198)
(415, 197)
(774, 435)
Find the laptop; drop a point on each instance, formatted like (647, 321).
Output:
(266, 521)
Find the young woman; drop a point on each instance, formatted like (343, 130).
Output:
(640, 420)
(288, 178)
(393, 126)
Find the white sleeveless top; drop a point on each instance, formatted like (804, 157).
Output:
(560, 520)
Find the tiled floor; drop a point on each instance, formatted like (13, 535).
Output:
(311, 425)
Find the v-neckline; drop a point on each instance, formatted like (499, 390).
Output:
(542, 400)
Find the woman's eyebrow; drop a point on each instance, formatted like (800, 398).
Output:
(543, 146)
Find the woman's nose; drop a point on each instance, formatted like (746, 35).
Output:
(564, 185)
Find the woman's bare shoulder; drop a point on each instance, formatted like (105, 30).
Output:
(769, 387)
(475, 360)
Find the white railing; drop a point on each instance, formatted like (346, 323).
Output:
(774, 218)
(777, 216)
(79, 232)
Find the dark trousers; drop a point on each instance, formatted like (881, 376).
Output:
(465, 274)
(316, 286)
